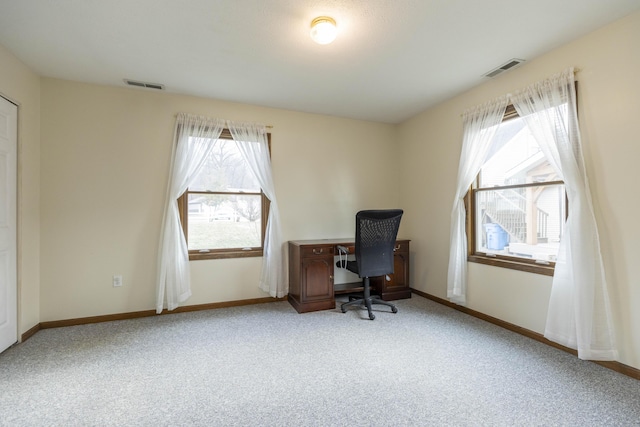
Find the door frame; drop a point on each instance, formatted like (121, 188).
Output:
(17, 217)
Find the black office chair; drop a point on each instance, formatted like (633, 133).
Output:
(376, 232)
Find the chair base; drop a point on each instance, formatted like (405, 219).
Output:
(367, 302)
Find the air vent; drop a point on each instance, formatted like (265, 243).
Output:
(510, 64)
(156, 86)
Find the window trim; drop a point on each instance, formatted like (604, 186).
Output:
(497, 260)
(203, 254)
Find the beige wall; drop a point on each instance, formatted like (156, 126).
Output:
(105, 159)
(609, 105)
(21, 86)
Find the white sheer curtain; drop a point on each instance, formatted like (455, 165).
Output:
(194, 138)
(579, 314)
(251, 141)
(480, 126)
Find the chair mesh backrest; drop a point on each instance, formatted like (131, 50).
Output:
(376, 232)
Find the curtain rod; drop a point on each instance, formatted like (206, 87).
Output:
(267, 126)
(508, 95)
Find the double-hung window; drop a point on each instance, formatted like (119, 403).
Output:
(224, 211)
(517, 205)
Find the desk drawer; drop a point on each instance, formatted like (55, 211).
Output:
(402, 246)
(317, 250)
(351, 248)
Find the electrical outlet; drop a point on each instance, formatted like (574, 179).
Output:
(117, 281)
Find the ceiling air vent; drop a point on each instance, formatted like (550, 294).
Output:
(156, 86)
(512, 63)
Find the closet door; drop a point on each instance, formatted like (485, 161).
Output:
(8, 190)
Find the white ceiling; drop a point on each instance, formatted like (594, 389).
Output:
(391, 59)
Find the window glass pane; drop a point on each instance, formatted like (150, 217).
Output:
(225, 170)
(516, 158)
(224, 221)
(522, 222)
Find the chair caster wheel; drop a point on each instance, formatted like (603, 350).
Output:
(393, 309)
(343, 310)
(372, 317)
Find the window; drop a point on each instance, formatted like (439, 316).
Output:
(224, 212)
(517, 204)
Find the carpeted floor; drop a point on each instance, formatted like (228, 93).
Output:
(266, 365)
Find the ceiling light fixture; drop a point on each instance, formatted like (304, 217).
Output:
(323, 30)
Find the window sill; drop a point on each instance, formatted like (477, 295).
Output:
(513, 264)
(197, 256)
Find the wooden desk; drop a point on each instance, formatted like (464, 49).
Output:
(311, 273)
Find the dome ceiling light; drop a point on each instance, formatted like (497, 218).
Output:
(323, 30)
